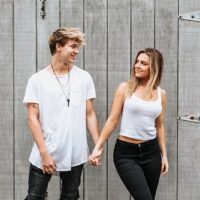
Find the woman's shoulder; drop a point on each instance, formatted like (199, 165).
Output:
(122, 89)
(163, 95)
(123, 86)
(163, 92)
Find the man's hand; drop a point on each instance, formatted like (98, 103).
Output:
(95, 157)
(48, 164)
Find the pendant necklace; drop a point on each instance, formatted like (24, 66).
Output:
(62, 85)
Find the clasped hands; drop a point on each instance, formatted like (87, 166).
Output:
(95, 157)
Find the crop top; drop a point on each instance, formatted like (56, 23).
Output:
(138, 117)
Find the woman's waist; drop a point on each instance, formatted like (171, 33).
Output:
(130, 140)
(129, 143)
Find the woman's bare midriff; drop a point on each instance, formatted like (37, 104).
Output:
(130, 140)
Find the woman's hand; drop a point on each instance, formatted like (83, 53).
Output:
(95, 157)
(165, 165)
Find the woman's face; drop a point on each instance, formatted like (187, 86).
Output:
(142, 67)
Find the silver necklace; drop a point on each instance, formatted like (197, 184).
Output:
(62, 86)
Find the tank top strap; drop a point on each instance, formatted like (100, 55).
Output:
(159, 94)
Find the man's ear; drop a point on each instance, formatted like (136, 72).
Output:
(58, 47)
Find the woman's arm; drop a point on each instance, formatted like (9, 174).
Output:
(112, 120)
(161, 135)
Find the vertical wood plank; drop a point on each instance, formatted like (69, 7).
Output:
(118, 71)
(6, 101)
(44, 28)
(25, 65)
(71, 15)
(189, 83)
(166, 37)
(142, 26)
(96, 64)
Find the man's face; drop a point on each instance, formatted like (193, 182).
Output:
(69, 51)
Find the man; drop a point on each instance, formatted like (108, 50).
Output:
(59, 99)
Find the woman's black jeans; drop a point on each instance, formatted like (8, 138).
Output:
(38, 183)
(139, 167)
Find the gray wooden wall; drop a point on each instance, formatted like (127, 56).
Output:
(115, 30)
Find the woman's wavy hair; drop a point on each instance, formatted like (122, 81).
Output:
(156, 63)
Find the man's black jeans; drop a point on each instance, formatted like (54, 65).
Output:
(38, 183)
(139, 167)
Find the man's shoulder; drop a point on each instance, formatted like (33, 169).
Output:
(36, 76)
(82, 71)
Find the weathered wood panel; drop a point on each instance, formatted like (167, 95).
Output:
(118, 71)
(6, 100)
(142, 26)
(108, 55)
(166, 37)
(25, 65)
(189, 83)
(44, 28)
(95, 21)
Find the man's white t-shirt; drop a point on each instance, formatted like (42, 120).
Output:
(64, 128)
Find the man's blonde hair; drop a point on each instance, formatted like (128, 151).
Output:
(62, 35)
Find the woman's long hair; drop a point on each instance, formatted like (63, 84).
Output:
(156, 68)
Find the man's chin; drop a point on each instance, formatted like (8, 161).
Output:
(72, 61)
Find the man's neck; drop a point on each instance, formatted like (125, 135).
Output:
(61, 68)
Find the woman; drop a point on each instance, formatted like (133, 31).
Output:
(140, 151)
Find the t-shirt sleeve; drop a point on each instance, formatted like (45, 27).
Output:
(31, 93)
(90, 93)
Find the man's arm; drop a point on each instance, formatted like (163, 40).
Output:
(49, 165)
(91, 119)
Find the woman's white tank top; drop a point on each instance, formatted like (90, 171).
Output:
(138, 117)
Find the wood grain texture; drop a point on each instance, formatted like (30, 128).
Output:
(142, 26)
(189, 162)
(6, 100)
(189, 83)
(166, 39)
(25, 65)
(118, 71)
(96, 64)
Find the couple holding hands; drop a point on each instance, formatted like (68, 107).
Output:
(59, 100)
